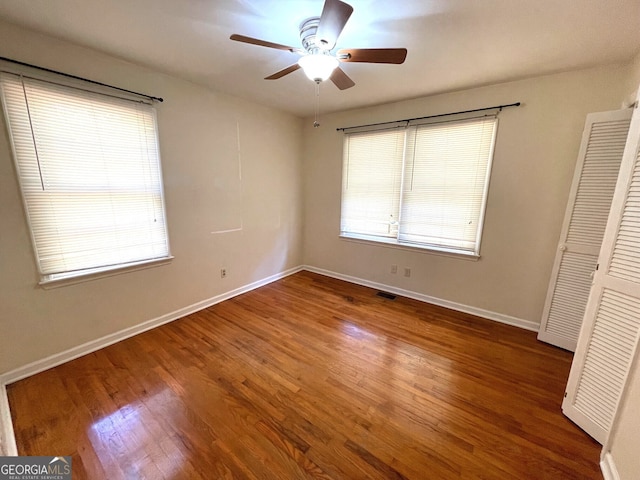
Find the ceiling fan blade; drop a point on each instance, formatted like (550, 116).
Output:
(283, 72)
(372, 55)
(333, 19)
(341, 79)
(262, 43)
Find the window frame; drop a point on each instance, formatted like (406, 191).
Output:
(51, 280)
(395, 242)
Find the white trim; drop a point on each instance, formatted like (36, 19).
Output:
(566, 341)
(588, 358)
(498, 317)
(94, 345)
(6, 427)
(7, 438)
(394, 243)
(101, 272)
(608, 467)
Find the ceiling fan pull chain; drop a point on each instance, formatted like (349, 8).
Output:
(316, 122)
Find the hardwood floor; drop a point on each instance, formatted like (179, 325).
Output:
(311, 377)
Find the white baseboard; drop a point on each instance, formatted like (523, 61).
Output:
(89, 347)
(7, 438)
(479, 312)
(94, 345)
(608, 467)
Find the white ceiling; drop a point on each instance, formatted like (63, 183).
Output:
(452, 44)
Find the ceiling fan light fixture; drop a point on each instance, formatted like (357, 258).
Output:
(318, 67)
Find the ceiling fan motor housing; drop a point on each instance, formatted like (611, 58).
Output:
(308, 31)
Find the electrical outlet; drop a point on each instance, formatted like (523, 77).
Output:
(407, 272)
(223, 272)
(394, 269)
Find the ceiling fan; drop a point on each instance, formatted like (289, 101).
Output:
(319, 36)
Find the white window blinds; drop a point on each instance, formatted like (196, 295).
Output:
(89, 170)
(445, 183)
(372, 176)
(425, 185)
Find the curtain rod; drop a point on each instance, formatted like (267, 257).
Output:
(159, 99)
(517, 104)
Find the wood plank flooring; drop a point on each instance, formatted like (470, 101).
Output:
(311, 377)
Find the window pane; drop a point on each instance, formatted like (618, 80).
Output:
(89, 169)
(371, 178)
(445, 182)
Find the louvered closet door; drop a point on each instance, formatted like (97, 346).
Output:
(609, 336)
(594, 180)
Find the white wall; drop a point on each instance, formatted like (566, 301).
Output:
(198, 139)
(633, 79)
(535, 155)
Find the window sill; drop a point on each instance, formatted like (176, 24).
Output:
(102, 273)
(393, 243)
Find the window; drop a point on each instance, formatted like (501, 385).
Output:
(89, 171)
(422, 185)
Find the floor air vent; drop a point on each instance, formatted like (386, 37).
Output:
(387, 295)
